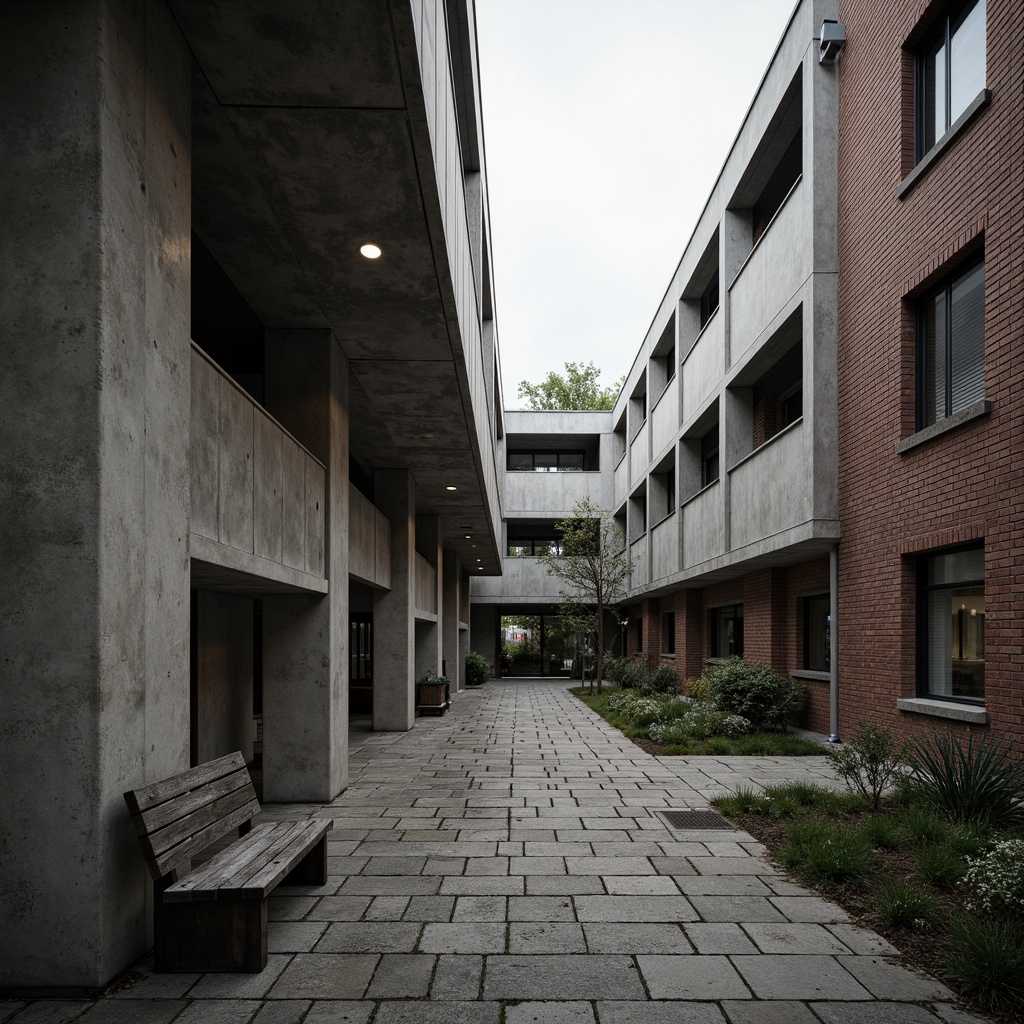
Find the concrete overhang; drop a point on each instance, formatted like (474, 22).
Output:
(310, 139)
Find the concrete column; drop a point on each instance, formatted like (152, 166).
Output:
(429, 641)
(451, 608)
(394, 612)
(305, 637)
(94, 473)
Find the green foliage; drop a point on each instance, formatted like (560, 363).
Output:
(430, 679)
(979, 781)
(626, 671)
(923, 825)
(697, 723)
(478, 669)
(941, 867)
(577, 389)
(744, 801)
(755, 692)
(997, 878)
(699, 687)
(662, 680)
(790, 800)
(884, 832)
(906, 907)
(774, 744)
(869, 761)
(823, 852)
(987, 959)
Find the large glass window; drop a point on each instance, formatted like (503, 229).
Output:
(951, 609)
(817, 632)
(951, 71)
(951, 346)
(545, 461)
(726, 631)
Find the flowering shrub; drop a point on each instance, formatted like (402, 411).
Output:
(997, 878)
(698, 723)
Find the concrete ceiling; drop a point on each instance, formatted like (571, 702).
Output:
(303, 149)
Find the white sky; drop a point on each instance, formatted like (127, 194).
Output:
(606, 123)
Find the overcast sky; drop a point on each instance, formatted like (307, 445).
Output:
(606, 123)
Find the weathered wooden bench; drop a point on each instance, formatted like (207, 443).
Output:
(215, 917)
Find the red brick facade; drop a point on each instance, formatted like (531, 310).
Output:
(966, 484)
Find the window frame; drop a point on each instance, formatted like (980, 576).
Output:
(710, 298)
(668, 633)
(921, 353)
(808, 602)
(922, 590)
(715, 615)
(944, 28)
(710, 458)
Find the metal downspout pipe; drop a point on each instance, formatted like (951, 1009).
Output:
(833, 645)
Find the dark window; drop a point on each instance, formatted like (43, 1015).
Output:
(668, 633)
(709, 299)
(546, 461)
(791, 406)
(531, 547)
(951, 346)
(817, 632)
(639, 634)
(775, 191)
(727, 631)
(709, 457)
(950, 71)
(951, 625)
(670, 492)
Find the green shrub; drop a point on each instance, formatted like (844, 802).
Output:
(627, 672)
(478, 669)
(987, 959)
(699, 688)
(996, 879)
(978, 781)
(924, 825)
(869, 761)
(940, 866)
(744, 801)
(704, 722)
(884, 832)
(662, 680)
(906, 907)
(755, 692)
(822, 852)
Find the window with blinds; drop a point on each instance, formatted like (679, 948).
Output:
(951, 622)
(951, 346)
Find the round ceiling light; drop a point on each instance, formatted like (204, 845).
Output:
(370, 251)
(451, 487)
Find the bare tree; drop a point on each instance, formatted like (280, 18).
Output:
(593, 565)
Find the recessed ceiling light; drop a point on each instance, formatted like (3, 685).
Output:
(451, 487)
(370, 251)
(469, 536)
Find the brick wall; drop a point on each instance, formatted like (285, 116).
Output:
(968, 483)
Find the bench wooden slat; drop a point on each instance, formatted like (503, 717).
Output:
(163, 846)
(204, 882)
(161, 815)
(142, 799)
(270, 874)
(202, 839)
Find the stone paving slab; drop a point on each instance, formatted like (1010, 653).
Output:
(508, 861)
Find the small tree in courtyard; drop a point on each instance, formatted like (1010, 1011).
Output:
(592, 565)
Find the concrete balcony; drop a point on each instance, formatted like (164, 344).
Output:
(665, 418)
(665, 548)
(640, 576)
(523, 581)
(369, 542)
(640, 452)
(704, 526)
(549, 495)
(773, 272)
(258, 497)
(704, 366)
(770, 490)
(621, 481)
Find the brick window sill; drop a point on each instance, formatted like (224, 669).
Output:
(944, 709)
(976, 105)
(807, 673)
(944, 426)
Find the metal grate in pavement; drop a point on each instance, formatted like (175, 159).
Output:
(696, 819)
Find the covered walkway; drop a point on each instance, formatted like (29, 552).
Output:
(511, 856)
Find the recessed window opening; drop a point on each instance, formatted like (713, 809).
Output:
(951, 625)
(778, 186)
(668, 633)
(709, 457)
(817, 632)
(778, 396)
(546, 461)
(531, 539)
(709, 299)
(950, 71)
(726, 631)
(951, 346)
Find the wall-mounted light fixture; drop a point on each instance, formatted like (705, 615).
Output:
(832, 41)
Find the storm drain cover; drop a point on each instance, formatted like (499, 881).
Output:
(696, 819)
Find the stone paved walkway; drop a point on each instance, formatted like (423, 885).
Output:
(508, 863)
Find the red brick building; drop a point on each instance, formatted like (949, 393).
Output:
(931, 365)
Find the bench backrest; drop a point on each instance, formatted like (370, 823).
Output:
(182, 815)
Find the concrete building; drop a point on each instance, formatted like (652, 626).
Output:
(230, 440)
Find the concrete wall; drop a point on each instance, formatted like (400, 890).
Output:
(523, 581)
(95, 189)
(223, 656)
(369, 541)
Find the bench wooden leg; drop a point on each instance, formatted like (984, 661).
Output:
(312, 869)
(213, 935)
